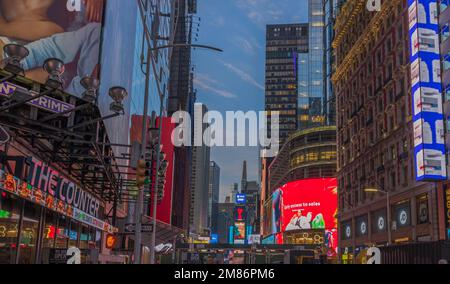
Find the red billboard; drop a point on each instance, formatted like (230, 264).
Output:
(309, 204)
(164, 210)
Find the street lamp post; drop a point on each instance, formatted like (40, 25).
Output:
(388, 208)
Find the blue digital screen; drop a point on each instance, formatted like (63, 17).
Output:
(214, 239)
(241, 199)
(427, 116)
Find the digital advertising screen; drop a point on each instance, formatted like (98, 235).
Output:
(309, 204)
(239, 231)
(426, 84)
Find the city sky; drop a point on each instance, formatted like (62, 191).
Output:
(234, 80)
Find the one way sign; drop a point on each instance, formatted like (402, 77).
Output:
(130, 228)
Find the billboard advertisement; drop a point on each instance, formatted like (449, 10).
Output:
(239, 232)
(240, 214)
(241, 199)
(428, 119)
(309, 204)
(164, 208)
(90, 36)
(67, 30)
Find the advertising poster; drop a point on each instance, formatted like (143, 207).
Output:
(67, 30)
(309, 204)
(239, 232)
(428, 119)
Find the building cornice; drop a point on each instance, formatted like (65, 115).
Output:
(364, 40)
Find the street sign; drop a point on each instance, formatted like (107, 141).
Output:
(130, 228)
(4, 136)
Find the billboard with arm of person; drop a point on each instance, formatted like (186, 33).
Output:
(52, 29)
(93, 38)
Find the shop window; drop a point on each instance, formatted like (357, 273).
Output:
(84, 237)
(62, 234)
(48, 240)
(73, 234)
(29, 233)
(10, 208)
(422, 209)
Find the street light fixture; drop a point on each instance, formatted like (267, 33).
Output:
(118, 94)
(15, 54)
(55, 68)
(91, 85)
(388, 207)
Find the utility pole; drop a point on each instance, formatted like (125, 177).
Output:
(140, 201)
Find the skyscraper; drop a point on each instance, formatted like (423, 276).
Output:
(214, 194)
(181, 97)
(284, 43)
(198, 217)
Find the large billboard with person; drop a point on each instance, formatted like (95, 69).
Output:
(309, 204)
(93, 38)
(67, 30)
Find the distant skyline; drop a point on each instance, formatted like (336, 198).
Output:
(234, 80)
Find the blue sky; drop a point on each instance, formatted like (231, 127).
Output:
(234, 80)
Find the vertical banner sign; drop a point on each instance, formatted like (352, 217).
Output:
(428, 119)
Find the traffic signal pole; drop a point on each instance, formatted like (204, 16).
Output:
(140, 202)
(155, 190)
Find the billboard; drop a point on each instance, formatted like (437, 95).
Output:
(90, 36)
(309, 204)
(240, 214)
(428, 119)
(241, 199)
(239, 232)
(67, 30)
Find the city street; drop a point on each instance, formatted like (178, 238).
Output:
(256, 133)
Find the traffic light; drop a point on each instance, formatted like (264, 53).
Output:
(162, 173)
(140, 173)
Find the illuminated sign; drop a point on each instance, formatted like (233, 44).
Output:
(214, 239)
(239, 231)
(241, 199)
(240, 214)
(309, 204)
(35, 195)
(111, 241)
(5, 214)
(428, 119)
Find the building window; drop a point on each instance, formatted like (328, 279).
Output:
(10, 208)
(29, 233)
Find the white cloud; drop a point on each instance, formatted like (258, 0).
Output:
(243, 75)
(209, 84)
(248, 45)
(262, 12)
